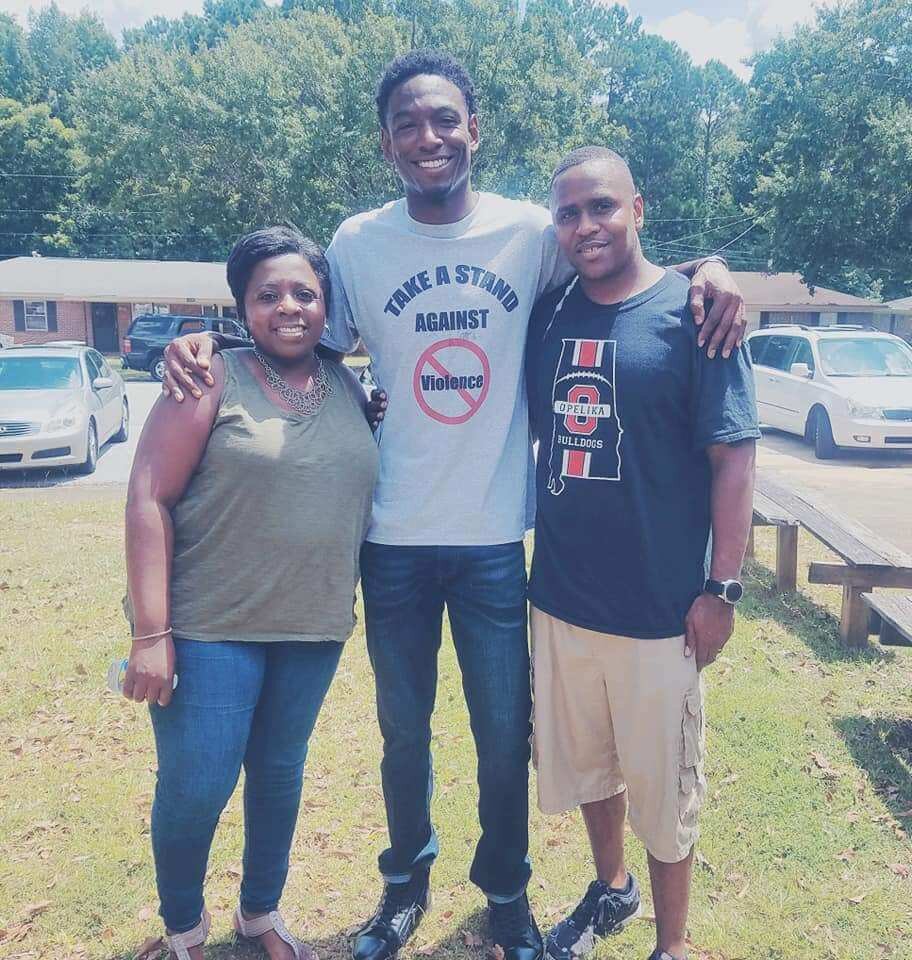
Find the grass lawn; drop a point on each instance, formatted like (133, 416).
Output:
(804, 853)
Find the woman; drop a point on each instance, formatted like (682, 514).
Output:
(245, 515)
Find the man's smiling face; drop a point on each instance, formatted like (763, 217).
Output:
(597, 214)
(429, 137)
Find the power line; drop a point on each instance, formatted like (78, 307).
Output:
(724, 226)
(43, 176)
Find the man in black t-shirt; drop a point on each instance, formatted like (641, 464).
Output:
(645, 445)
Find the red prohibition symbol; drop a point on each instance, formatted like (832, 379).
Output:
(430, 359)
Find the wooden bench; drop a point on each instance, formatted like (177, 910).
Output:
(869, 560)
(893, 613)
(768, 513)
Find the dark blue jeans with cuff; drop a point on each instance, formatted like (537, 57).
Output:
(484, 591)
(250, 704)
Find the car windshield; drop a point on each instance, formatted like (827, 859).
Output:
(151, 327)
(39, 373)
(865, 357)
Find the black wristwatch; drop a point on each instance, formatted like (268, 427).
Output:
(728, 591)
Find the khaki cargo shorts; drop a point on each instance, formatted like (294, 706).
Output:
(614, 713)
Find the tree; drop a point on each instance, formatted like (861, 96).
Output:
(831, 122)
(188, 149)
(32, 207)
(63, 49)
(17, 74)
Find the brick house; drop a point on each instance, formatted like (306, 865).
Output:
(772, 298)
(43, 299)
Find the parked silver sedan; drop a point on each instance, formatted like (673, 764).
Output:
(59, 404)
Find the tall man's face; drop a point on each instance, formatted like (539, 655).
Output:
(597, 214)
(429, 137)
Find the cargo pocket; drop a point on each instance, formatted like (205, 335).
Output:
(691, 782)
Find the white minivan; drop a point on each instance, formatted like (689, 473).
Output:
(835, 386)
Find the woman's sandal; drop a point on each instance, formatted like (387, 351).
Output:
(256, 927)
(180, 943)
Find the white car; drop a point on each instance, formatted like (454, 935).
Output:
(59, 404)
(835, 386)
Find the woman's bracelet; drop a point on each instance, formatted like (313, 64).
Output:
(153, 636)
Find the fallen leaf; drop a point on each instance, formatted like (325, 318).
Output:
(471, 939)
(81, 670)
(901, 870)
(36, 909)
(823, 764)
(495, 952)
(145, 914)
(858, 899)
(150, 947)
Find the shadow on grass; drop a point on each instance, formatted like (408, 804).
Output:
(882, 746)
(338, 946)
(813, 624)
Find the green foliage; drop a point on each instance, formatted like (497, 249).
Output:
(277, 122)
(205, 125)
(831, 123)
(63, 50)
(17, 74)
(31, 207)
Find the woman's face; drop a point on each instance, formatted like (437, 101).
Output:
(284, 307)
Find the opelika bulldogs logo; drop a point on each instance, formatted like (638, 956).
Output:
(586, 438)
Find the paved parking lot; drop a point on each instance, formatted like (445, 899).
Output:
(872, 488)
(114, 460)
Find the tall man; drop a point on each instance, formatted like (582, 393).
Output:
(440, 285)
(645, 444)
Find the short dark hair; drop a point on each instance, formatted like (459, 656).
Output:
(269, 242)
(417, 62)
(583, 155)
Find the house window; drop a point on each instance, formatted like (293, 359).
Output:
(140, 309)
(210, 310)
(229, 312)
(36, 315)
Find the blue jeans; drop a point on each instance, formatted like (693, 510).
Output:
(236, 703)
(484, 591)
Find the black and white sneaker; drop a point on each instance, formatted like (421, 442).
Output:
(602, 911)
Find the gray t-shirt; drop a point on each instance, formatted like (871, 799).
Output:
(443, 311)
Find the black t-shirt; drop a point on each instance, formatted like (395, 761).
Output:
(623, 404)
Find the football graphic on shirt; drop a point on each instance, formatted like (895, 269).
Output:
(586, 436)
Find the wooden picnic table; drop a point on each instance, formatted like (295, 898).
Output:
(869, 560)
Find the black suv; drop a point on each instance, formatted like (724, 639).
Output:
(149, 334)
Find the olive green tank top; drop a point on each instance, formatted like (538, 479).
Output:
(267, 534)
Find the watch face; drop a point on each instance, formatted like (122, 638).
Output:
(734, 591)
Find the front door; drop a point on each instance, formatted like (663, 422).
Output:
(104, 327)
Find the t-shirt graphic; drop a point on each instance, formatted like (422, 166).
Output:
(586, 437)
(443, 309)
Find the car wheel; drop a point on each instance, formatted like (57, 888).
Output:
(91, 461)
(157, 368)
(824, 445)
(124, 432)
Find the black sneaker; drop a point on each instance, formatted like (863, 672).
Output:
(397, 917)
(514, 930)
(602, 911)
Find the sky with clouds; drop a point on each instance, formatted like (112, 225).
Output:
(698, 26)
